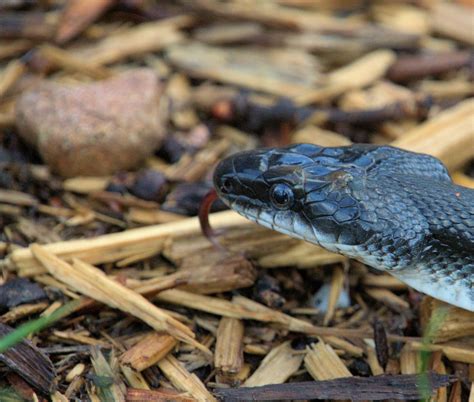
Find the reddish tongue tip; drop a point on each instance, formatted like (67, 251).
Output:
(203, 215)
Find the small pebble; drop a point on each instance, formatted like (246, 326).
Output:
(320, 298)
(19, 291)
(118, 188)
(186, 198)
(149, 185)
(171, 150)
(268, 291)
(360, 368)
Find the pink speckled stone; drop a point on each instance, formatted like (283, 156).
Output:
(95, 128)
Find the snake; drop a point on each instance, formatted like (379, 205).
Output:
(394, 210)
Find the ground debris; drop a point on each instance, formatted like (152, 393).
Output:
(29, 362)
(149, 308)
(404, 387)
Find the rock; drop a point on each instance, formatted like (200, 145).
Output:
(149, 185)
(20, 291)
(96, 128)
(185, 199)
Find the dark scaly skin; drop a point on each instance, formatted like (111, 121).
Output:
(395, 210)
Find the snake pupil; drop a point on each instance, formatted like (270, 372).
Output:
(281, 196)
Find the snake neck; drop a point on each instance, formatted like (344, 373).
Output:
(423, 234)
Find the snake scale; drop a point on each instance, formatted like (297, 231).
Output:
(394, 210)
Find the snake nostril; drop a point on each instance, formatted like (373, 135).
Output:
(227, 186)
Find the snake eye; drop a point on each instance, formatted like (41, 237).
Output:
(226, 186)
(281, 196)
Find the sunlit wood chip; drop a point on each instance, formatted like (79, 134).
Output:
(86, 185)
(388, 298)
(92, 282)
(148, 351)
(448, 135)
(183, 380)
(409, 361)
(323, 363)
(441, 321)
(116, 246)
(77, 370)
(114, 390)
(17, 198)
(337, 286)
(364, 71)
(228, 356)
(372, 360)
(458, 351)
(279, 365)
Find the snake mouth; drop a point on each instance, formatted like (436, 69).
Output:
(270, 219)
(239, 184)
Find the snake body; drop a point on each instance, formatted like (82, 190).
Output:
(394, 210)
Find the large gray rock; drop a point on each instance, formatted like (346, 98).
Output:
(94, 128)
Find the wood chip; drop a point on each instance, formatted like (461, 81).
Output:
(82, 338)
(363, 71)
(277, 366)
(9, 75)
(76, 371)
(404, 387)
(17, 198)
(152, 217)
(448, 136)
(86, 185)
(453, 20)
(140, 395)
(318, 136)
(449, 322)
(29, 362)
(323, 363)
(259, 70)
(228, 356)
(454, 350)
(374, 364)
(116, 246)
(113, 390)
(303, 255)
(344, 345)
(358, 74)
(143, 38)
(463, 180)
(77, 15)
(388, 298)
(19, 312)
(92, 282)
(150, 350)
(244, 308)
(274, 13)
(336, 287)
(60, 58)
(383, 281)
(409, 361)
(183, 380)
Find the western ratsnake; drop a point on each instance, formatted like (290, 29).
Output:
(394, 210)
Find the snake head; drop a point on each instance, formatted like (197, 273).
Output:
(304, 191)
